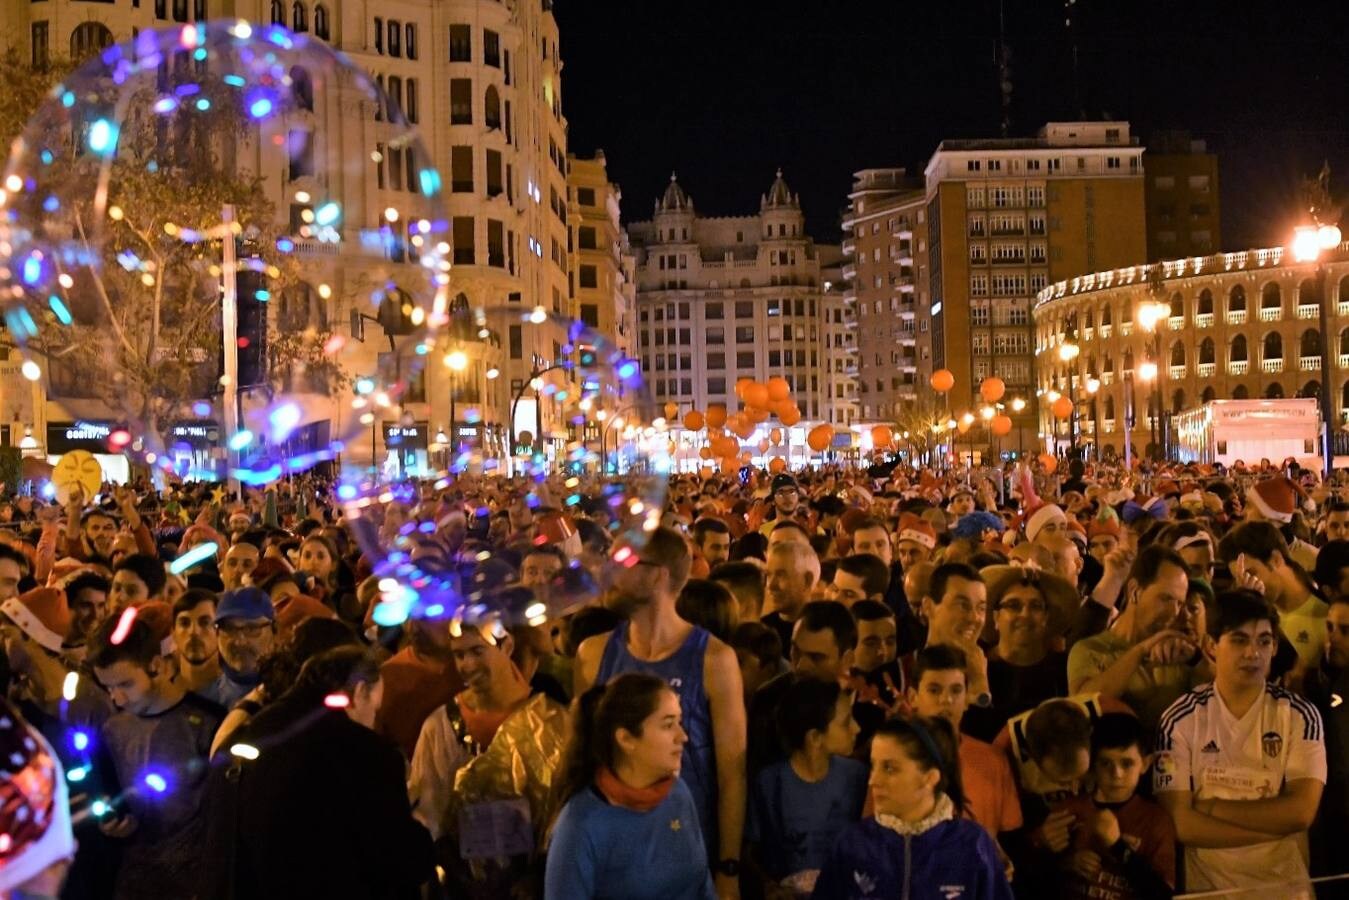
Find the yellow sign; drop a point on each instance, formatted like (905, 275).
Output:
(77, 468)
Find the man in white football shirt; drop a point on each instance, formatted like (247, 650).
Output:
(1242, 763)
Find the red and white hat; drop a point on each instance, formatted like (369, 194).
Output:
(912, 528)
(1276, 498)
(35, 831)
(42, 614)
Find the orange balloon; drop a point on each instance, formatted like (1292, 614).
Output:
(820, 437)
(693, 420)
(740, 385)
(942, 381)
(746, 456)
(964, 425)
(1001, 425)
(882, 436)
(729, 465)
(992, 389)
(1050, 462)
(777, 464)
(671, 410)
(725, 446)
(705, 452)
(756, 394)
(756, 415)
(716, 415)
(791, 416)
(763, 445)
(1062, 408)
(745, 430)
(778, 388)
(775, 435)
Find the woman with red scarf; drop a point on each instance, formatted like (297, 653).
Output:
(628, 828)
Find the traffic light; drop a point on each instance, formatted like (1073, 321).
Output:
(252, 299)
(588, 356)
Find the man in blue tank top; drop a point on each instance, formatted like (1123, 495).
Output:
(699, 668)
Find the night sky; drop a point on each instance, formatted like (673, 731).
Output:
(725, 92)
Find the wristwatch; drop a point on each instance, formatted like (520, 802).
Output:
(728, 867)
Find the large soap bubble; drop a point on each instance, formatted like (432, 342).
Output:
(223, 248)
(533, 431)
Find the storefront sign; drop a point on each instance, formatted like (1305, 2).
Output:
(407, 437)
(200, 435)
(86, 434)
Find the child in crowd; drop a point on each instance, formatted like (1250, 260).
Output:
(800, 805)
(1124, 846)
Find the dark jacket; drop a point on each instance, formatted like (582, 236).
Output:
(322, 812)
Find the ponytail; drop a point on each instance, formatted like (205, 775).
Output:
(931, 742)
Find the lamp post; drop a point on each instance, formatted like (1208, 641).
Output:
(456, 361)
(1151, 314)
(1018, 406)
(1147, 373)
(1068, 354)
(1093, 385)
(1309, 241)
(535, 381)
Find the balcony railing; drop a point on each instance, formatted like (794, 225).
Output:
(1343, 308)
(1344, 360)
(1309, 363)
(1176, 373)
(1236, 317)
(1126, 329)
(1271, 313)
(1105, 331)
(1207, 370)
(1108, 424)
(1108, 377)
(1087, 333)
(1204, 320)
(1308, 311)
(1176, 322)
(1271, 365)
(1238, 367)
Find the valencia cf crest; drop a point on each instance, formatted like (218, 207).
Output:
(1272, 743)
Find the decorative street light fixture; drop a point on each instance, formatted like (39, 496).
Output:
(456, 361)
(1068, 354)
(1151, 315)
(1093, 385)
(1018, 406)
(1309, 243)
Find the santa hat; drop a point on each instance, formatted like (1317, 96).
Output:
(158, 615)
(42, 614)
(1276, 498)
(1104, 527)
(292, 610)
(200, 534)
(912, 528)
(1042, 517)
(34, 804)
(1165, 487)
(66, 568)
(1077, 532)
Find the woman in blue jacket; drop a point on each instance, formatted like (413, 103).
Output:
(629, 828)
(917, 846)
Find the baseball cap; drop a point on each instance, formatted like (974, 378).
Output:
(245, 603)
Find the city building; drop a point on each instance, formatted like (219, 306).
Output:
(725, 298)
(1006, 218)
(1181, 195)
(885, 243)
(603, 289)
(481, 82)
(840, 339)
(1232, 326)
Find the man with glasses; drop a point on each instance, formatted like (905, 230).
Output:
(245, 624)
(1028, 611)
(787, 504)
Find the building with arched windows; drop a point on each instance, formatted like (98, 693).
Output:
(480, 81)
(1238, 326)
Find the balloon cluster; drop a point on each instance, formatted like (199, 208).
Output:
(760, 401)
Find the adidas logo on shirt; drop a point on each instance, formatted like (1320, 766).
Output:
(1210, 747)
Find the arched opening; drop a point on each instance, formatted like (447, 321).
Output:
(1241, 392)
(1128, 360)
(1344, 396)
(1273, 346)
(1126, 314)
(1205, 302)
(321, 22)
(1206, 351)
(1310, 345)
(1236, 299)
(395, 93)
(278, 13)
(1109, 364)
(1342, 292)
(395, 312)
(1178, 354)
(1209, 394)
(1274, 392)
(1306, 292)
(1177, 401)
(1089, 319)
(1238, 352)
(1311, 389)
(1110, 407)
(1344, 342)
(1177, 306)
(492, 107)
(1105, 316)
(302, 88)
(1271, 297)
(299, 17)
(89, 38)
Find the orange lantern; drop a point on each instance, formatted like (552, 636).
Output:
(790, 416)
(820, 437)
(1050, 462)
(777, 464)
(1062, 408)
(705, 452)
(775, 436)
(756, 414)
(992, 389)
(942, 381)
(693, 420)
(671, 410)
(778, 388)
(882, 436)
(755, 394)
(1001, 426)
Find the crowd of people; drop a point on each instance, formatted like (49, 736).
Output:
(836, 683)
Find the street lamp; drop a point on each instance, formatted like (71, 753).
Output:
(1093, 385)
(1018, 406)
(1151, 314)
(1309, 242)
(1068, 353)
(456, 361)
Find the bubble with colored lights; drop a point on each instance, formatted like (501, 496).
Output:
(223, 247)
(531, 430)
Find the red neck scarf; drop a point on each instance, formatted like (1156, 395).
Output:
(641, 800)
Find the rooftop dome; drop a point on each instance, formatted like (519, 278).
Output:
(675, 199)
(779, 195)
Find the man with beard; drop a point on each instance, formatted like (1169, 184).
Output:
(699, 668)
(90, 536)
(87, 594)
(245, 624)
(1143, 658)
(194, 638)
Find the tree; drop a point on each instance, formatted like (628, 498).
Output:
(131, 311)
